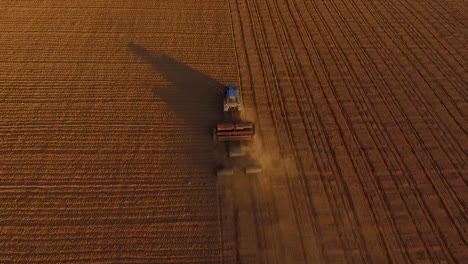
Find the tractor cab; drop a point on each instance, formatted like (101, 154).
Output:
(232, 99)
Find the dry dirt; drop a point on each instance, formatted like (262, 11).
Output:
(106, 109)
(363, 108)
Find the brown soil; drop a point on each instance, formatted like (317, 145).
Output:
(362, 106)
(106, 109)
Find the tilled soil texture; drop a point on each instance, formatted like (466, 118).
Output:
(106, 109)
(362, 109)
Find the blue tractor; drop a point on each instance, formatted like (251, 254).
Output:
(234, 131)
(232, 100)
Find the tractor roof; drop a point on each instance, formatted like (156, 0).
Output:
(232, 92)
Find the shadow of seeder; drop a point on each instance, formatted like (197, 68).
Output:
(198, 99)
(192, 95)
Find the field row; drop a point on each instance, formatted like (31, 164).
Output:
(368, 108)
(106, 114)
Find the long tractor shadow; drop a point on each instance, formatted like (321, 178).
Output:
(198, 99)
(192, 95)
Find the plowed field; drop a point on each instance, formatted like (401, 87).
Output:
(106, 108)
(105, 116)
(363, 110)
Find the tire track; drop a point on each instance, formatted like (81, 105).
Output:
(288, 113)
(316, 52)
(416, 35)
(353, 239)
(342, 110)
(356, 132)
(341, 57)
(371, 112)
(246, 95)
(442, 177)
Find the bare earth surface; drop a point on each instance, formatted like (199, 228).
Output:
(105, 116)
(106, 154)
(363, 111)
